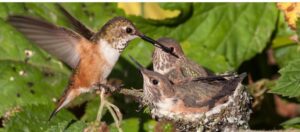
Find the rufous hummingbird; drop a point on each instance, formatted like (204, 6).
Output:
(176, 68)
(91, 55)
(186, 98)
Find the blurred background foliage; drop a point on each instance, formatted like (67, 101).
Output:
(242, 37)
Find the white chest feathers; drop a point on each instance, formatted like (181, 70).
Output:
(165, 105)
(109, 53)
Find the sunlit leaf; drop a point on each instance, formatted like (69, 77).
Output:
(220, 29)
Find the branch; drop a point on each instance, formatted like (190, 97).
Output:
(135, 93)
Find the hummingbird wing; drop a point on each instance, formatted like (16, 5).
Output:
(209, 92)
(58, 41)
(79, 27)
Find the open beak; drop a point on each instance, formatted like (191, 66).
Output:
(157, 44)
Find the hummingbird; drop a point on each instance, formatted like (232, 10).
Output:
(176, 68)
(196, 96)
(91, 55)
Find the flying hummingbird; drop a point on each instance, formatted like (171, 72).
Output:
(92, 55)
(196, 96)
(176, 68)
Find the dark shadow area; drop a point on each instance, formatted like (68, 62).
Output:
(265, 117)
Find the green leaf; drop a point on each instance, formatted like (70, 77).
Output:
(149, 126)
(11, 8)
(298, 29)
(286, 54)
(35, 118)
(236, 31)
(91, 110)
(219, 63)
(128, 125)
(23, 84)
(292, 123)
(65, 126)
(289, 81)
(283, 33)
(285, 49)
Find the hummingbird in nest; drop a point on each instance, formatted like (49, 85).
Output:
(198, 95)
(91, 55)
(176, 68)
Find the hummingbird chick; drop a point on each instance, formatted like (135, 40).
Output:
(176, 68)
(91, 55)
(189, 98)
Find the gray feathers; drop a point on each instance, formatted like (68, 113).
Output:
(58, 41)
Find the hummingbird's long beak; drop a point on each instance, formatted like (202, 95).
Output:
(157, 44)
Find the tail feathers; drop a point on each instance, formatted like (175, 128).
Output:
(242, 76)
(234, 83)
(63, 101)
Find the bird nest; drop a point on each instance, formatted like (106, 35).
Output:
(232, 115)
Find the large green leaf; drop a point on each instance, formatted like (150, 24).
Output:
(233, 32)
(289, 81)
(35, 118)
(23, 84)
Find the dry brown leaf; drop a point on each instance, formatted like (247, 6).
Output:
(291, 12)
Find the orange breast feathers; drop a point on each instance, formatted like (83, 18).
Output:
(179, 107)
(91, 66)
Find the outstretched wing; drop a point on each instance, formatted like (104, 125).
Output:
(58, 41)
(79, 27)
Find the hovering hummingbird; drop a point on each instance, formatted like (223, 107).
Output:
(176, 68)
(196, 96)
(91, 55)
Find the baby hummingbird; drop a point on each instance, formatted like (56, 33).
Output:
(176, 68)
(187, 98)
(91, 55)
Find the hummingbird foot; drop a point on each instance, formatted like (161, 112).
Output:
(108, 88)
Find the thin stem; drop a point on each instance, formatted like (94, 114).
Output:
(102, 103)
(115, 117)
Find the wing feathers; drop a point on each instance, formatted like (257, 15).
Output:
(79, 27)
(58, 41)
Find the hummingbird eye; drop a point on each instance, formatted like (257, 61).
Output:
(128, 30)
(154, 82)
(172, 49)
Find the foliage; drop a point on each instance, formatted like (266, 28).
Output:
(220, 36)
(293, 123)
